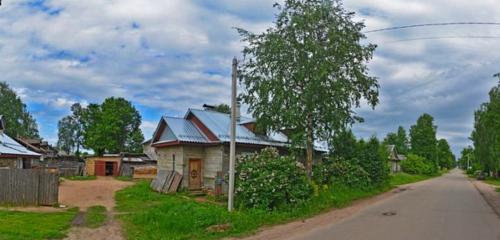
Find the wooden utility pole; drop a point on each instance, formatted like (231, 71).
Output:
(232, 147)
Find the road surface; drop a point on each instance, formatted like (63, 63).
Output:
(448, 207)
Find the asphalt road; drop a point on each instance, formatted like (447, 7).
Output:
(448, 207)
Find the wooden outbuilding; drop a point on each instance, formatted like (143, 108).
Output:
(106, 165)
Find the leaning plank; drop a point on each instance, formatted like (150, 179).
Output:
(175, 183)
(168, 182)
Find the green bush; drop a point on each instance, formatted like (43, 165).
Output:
(415, 164)
(269, 181)
(341, 172)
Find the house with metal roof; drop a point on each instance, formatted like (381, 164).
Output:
(13, 154)
(197, 145)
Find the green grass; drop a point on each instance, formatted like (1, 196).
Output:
(124, 178)
(404, 178)
(498, 189)
(150, 215)
(81, 178)
(493, 181)
(95, 216)
(33, 226)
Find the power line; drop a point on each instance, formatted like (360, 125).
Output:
(432, 25)
(444, 37)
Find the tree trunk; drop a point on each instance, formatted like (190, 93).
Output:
(309, 146)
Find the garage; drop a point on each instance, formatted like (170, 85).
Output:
(107, 165)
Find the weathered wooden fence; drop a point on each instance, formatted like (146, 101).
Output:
(28, 187)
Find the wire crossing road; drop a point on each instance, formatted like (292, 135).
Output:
(448, 207)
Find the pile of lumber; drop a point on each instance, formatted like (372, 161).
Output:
(166, 181)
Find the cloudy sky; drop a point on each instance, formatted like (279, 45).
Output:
(167, 56)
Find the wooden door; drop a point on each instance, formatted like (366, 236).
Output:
(100, 168)
(195, 174)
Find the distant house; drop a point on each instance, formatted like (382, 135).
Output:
(395, 158)
(39, 146)
(13, 154)
(197, 145)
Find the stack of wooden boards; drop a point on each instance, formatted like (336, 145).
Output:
(166, 181)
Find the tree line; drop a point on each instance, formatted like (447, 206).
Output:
(110, 127)
(484, 155)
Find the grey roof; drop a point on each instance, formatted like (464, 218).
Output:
(219, 125)
(184, 130)
(9, 146)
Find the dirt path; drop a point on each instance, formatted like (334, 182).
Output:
(111, 230)
(326, 219)
(85, 194)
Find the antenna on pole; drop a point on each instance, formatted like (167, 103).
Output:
(232, 146)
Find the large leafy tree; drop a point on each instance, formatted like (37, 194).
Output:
(423, 139)
(399, 139)
(373, 159)
(445, 157)
(223, 108)
(70, 131)
(305, 75)
(18, 120)
(112, 127)
(344, 145)
(467, 159)
(486, 134)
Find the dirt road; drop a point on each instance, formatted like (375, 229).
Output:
(84, 194)
(447, 207)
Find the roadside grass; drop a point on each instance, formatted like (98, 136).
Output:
(493, 181)
(81, 178)
(34, 225)
(149, 215)
(124, 178)
(95, 216)
(405, 178)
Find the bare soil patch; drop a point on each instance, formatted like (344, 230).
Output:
(111, 230)
(84, 194)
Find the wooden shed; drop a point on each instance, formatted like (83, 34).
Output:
(106, 165)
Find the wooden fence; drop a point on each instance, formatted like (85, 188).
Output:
(28, 187)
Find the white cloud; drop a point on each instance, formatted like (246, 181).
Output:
(171, 55)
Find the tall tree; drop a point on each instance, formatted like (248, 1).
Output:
(112, 127)
(467, 159)
(304, 75)
(445, 157)
(486, 134)
(343, 145)
(399, 139)
(18, 120)
(373, 160)
(70, 131)
(223, 108)
(423, 139)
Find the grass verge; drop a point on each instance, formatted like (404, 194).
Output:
(95, 216)
(493, 181)
(150, 215)
(405, 178)
(124, 178)
(81, 178)
(34, 226)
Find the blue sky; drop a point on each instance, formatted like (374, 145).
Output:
(167, 56)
